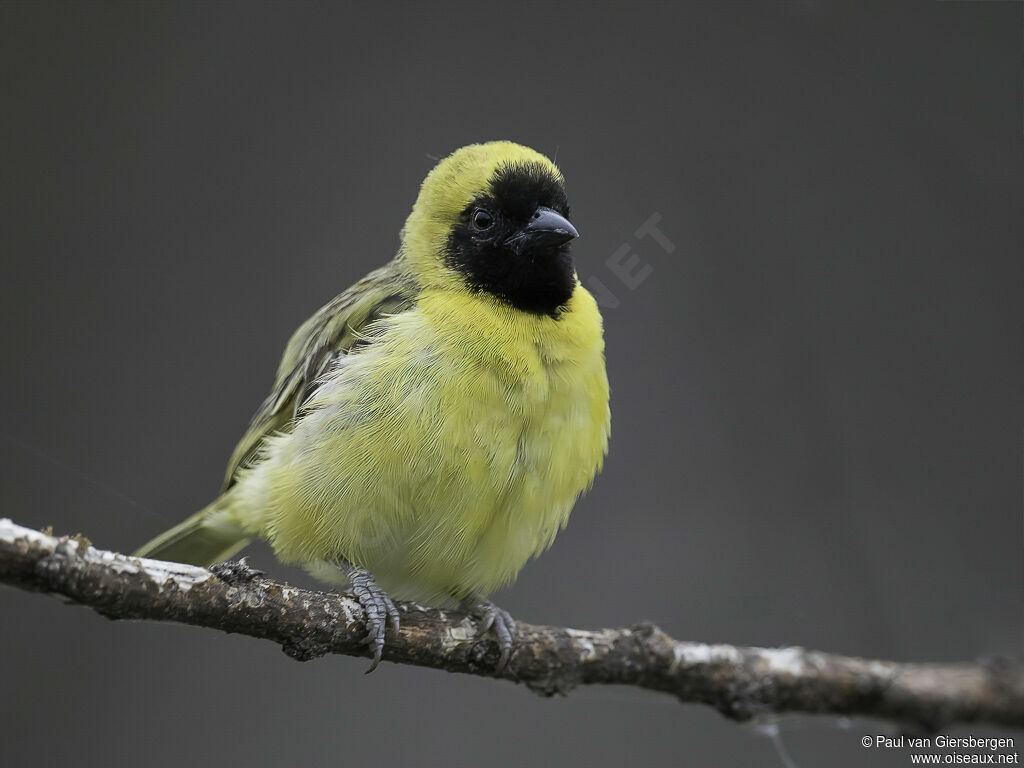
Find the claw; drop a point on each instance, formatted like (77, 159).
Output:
(504, 626)
(380, 611)
(486, 623)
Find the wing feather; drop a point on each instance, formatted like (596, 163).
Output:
(334, 330)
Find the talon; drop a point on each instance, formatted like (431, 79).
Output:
(504, 627)
(380, 611)
(487, 623)
(378, 651)
(392, 613)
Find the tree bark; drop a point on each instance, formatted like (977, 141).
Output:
(740, 682)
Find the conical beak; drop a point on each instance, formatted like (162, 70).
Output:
(545, 228)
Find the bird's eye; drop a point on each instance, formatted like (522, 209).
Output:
(482, 219)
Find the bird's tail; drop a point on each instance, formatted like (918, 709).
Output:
(209, 536)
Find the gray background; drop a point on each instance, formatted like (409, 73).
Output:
(816, 396)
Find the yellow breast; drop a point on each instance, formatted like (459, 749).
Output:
(448, 452)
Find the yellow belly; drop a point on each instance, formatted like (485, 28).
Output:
(445, 454)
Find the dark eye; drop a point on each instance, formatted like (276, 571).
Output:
(482, 219)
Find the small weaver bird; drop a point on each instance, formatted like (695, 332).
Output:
(430, 428)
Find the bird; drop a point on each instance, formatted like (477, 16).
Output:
(430, 429)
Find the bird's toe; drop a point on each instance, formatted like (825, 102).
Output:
(380, 611)
(499, 622)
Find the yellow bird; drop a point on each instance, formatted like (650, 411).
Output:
(430, 428)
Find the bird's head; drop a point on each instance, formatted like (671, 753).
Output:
(493, 218)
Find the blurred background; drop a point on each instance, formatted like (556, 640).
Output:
(817, 369)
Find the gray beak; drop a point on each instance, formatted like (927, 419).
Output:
(545, 228)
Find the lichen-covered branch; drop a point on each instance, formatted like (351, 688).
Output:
(740, 682)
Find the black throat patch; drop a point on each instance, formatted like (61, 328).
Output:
(534, 278)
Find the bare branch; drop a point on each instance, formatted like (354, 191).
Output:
(740, 682)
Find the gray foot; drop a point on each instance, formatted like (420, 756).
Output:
(380, 611)
(500, 621)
